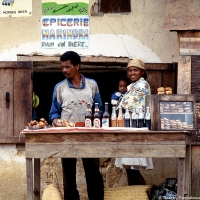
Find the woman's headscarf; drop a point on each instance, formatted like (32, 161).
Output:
(136, 63)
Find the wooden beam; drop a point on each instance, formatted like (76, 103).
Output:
(59, 150)
(189, 43)
(184, 75)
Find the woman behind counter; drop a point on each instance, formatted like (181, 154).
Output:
(135, 98)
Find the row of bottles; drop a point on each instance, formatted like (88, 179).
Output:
(96, 120)
(122, 120)
(136, 120)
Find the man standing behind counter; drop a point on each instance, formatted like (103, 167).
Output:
(69, 101)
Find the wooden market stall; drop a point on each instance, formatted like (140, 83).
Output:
(83, 142)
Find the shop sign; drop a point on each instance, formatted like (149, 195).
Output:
(15, 8)
(65, 31)
(65, 7)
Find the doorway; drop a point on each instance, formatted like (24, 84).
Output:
(159, 74)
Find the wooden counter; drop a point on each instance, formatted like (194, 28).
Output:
(111, 142)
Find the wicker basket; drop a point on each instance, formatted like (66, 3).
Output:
(135, 192)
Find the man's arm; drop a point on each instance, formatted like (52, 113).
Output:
(55, 111)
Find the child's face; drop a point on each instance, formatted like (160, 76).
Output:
(122, 86)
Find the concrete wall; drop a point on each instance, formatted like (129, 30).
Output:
(138, 34)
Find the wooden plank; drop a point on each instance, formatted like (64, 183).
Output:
(36, 171)
(23, 99)
(184, 75)
(12, 140)
(29, 179)
(187, 188)
(128, 138)
(39, 65)
(15, 65)
(169, 80)
(192, 33)
(195, 171)
(6, 110)
(154, 78)
(182, 15)
(181, 177)
(89, 150)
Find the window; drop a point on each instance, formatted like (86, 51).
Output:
(115, 6)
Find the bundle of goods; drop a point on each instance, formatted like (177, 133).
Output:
(167, 190)
(34, 124)
(164, 90)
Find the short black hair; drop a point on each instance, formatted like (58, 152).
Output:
(125, 79)
(72, 56)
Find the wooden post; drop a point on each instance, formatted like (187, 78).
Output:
(36, 190)
(184, 75)
(29, 179)
(181, 178)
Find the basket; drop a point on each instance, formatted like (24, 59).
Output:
(51, 191)
(135, 192)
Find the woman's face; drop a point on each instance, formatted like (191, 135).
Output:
(134, 73)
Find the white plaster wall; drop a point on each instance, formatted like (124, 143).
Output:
(137, 34)
(12, 173)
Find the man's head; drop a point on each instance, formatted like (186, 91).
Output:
(70, 64)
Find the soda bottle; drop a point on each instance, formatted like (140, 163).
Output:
(120, 118)
(134, 118)
(148, 118)
(97, 116)
(88, 116)
(140, 118)
(127, 118)
(113, 117)
(106, 117)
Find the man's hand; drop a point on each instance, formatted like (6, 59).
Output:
(57, 122)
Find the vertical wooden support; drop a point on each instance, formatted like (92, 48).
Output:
(184, 75)
(195, 170)
(188, 171)
(181, 178)
(29, 179)
(36, 170)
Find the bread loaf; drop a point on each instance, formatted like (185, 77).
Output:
(168, 89)
(161, 89)
(168, 92)
(161, 92)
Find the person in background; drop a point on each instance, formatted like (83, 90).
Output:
(69, 101)
(135, 98)
(122, 88)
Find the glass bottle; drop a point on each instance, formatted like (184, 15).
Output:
(148, 118)
(127, 118)
(134, 118)
(140, 118)
(106, 117)
(120, 118)
(88, 116)
(113, 117)
(97, 116)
